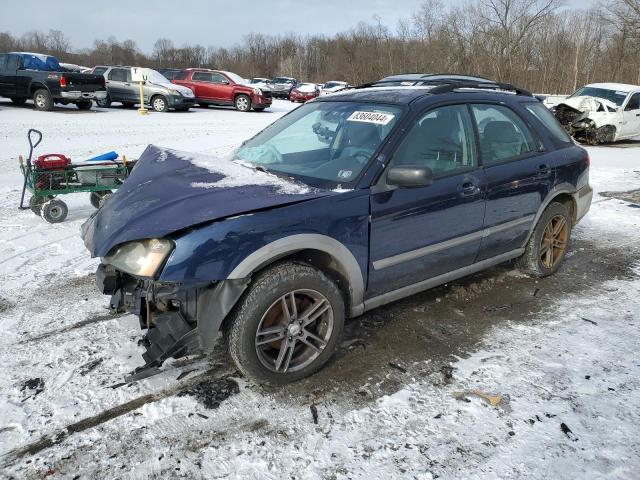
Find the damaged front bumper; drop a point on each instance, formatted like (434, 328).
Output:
(179, 319)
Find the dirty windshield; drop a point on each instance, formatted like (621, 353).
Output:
(614, 96)
(323, 144)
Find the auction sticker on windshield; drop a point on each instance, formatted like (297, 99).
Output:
(371, 117)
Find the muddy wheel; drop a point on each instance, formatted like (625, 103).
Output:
(287, 325)
(36, 202)
(547, 246)
(96, 197)
(55, 211)
(42, 100)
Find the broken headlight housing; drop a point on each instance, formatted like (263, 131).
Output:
(142, 258)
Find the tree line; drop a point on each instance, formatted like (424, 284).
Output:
(537, 44)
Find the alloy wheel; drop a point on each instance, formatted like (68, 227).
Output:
(294, 331)
(554, 241)
(242, 104)
(40, 101)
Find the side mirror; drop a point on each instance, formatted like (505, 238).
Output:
(410, 176)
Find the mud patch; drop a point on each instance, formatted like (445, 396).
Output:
(211, 392)
(631, 196)
(32, 387)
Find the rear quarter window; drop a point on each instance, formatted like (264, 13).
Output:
(544, 115)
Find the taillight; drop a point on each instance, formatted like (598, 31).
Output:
(587, 160)
(63, 81)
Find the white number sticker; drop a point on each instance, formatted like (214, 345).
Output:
(371, 117)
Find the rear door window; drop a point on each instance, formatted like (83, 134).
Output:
(542, 113)
(503, 135)
(201, 77)
(442, 140)
(118, 75)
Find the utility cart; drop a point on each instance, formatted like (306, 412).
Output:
(51, 175)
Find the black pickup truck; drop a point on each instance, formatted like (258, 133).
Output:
(39, 77)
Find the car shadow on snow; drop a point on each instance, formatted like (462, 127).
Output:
(66, 109)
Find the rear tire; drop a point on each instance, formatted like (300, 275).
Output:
(242, 103)
(55, 211)
(159, 104)
(547, 246)
(262, 308)
(84, 105)
(36, 202)
(42, 100)
(105, 102)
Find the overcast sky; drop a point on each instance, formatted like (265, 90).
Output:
(219, 23)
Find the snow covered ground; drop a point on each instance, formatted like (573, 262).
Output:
(497, 376)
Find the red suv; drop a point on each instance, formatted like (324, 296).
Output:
(216, 87)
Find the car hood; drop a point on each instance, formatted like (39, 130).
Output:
(587, 104)
(168, 191)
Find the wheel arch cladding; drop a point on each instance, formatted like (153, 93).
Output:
(321, 251)
(563, 193)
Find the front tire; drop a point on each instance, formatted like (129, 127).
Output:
(547, 246)
(243, 103)
(159, 104)
(287, 325)
(42, 100)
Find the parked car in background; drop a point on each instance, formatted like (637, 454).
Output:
(415, 79)
(333, 86)
(303, 92)
(219, 87)
(262, 83)
(601, 113)
(159, 92)
(281, 86)
(25, 75)
(170, 73)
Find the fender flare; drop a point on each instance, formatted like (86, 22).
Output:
(559, 189)
(308, 241)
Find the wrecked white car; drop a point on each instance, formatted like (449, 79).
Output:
(601, 113)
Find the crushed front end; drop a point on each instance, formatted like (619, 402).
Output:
(180, 319)
(588, 120)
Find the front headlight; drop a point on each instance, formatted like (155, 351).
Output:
(257, 91)
(142, 257)
(174, 92)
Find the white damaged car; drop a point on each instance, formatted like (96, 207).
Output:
(601, 113)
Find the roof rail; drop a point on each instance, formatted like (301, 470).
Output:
(445, 85)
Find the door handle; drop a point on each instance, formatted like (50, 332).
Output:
(469, 188)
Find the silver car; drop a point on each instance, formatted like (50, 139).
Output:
(158, 91)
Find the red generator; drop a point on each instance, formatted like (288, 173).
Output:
(52, 161)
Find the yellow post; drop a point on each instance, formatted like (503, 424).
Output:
(142, 110)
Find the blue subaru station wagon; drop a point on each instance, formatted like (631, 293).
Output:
(349, 202)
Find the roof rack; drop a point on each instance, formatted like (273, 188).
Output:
(446, 85)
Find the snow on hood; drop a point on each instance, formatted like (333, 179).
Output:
(588, 104)
(158, 79)
(168, 191)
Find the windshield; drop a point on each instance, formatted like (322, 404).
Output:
(157, 78)
(235, 78)
(614, 96)
(333, 84)
(324, 144)
(282, 80)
